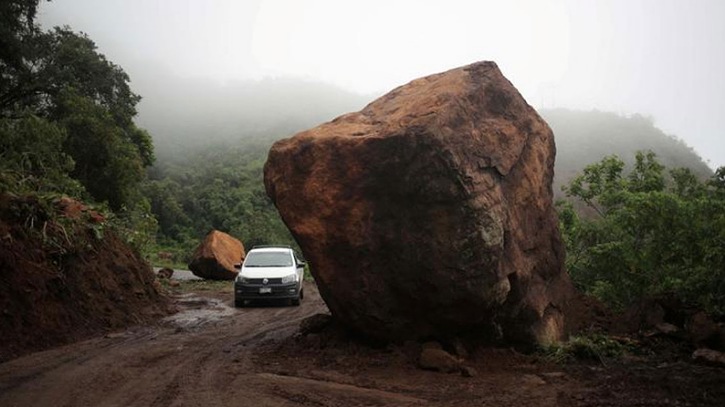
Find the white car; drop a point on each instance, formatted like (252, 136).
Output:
(270, 272)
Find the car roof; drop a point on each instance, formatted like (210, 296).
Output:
(271, 249)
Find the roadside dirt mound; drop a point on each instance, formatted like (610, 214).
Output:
(64, 278)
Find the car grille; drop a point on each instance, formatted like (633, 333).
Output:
(260, 281)
(249, 291)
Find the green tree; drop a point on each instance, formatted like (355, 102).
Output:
(61, 77)
(32, 157)
(649, 232)
(17, 33)
(106, 163)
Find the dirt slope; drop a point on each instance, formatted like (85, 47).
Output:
(64, 278)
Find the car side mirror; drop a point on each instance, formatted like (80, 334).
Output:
(301, 264)
(238, 266)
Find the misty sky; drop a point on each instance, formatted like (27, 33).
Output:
(660, 58)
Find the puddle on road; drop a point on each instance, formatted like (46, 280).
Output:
(198, 311)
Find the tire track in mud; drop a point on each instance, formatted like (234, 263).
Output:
(164, 365)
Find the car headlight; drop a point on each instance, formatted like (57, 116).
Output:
(241, 279)
(292, 278)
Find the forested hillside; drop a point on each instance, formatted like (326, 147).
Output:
(585, 137)
(213, 187)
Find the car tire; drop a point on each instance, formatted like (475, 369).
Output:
(239, 303)
(296, 301)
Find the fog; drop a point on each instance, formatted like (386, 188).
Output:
(659, 58)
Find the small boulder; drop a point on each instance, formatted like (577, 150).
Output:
(468, 371)
(666, 329)
(438, 360)
(165, 273)
(459, 348)
(532, 380)
(216, 256)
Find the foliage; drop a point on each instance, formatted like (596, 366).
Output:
(17, 30)
(66, 123)
(220, 188)
(593, 347)
(43, 219)
(195, 286)
(106, 163)
(60, 80)
(647, 233)
(32, 157)
(136, 225)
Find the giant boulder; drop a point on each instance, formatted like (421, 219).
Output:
(215, 257)
(429, 212)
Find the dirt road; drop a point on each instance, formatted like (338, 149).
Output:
(210, 354)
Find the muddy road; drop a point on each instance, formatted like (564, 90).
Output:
(210, 354)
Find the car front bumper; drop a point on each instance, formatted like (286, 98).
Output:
(268, 291)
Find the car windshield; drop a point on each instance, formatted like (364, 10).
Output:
(268, 259)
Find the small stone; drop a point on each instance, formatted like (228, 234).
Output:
(459, 349)
(532, 380)
(554, 375)
(468, 371)
(666, 328)
(438, 360)
(174, 283)
(165, 273)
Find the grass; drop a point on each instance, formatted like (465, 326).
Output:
(591, 347)
(186, 286)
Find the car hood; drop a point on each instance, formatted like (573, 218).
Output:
(267, 272)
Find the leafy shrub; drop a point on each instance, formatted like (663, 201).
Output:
(646, 233)
(593, 347)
